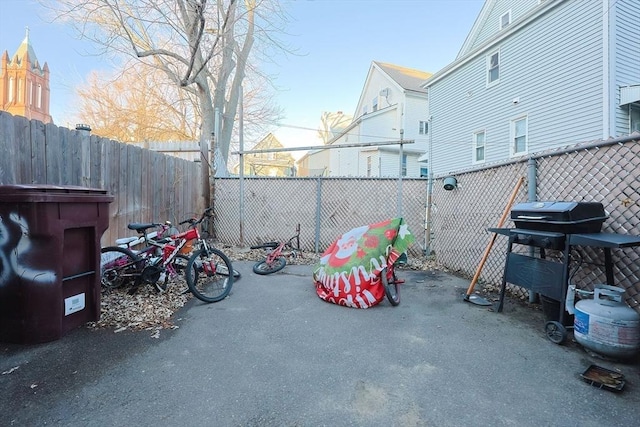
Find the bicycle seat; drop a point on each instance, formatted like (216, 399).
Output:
(141, 227)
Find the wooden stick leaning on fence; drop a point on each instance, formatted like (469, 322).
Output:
(492, 241)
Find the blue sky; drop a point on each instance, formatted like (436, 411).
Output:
(336, 39)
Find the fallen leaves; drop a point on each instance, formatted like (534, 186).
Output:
(150, 310)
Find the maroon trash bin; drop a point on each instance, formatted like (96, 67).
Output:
(49, 259)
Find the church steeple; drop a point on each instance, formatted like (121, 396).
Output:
(24, 83)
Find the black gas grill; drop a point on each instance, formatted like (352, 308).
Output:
(555, 225)
(546, 224)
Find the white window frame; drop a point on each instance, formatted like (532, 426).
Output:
(502, 25)
(374, 104)
(491, 68)
(423, 128)
(513, 136)
(369, 162)
(476, 146)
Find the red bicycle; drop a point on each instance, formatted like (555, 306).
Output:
(277, 252)
(390, 281)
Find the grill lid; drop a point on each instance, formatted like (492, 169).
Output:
(560, 216)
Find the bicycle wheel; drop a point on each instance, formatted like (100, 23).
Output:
(208, 275)
(118, 267)
(391, 289)
(263, 268)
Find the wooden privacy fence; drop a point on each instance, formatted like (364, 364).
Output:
(146, 185)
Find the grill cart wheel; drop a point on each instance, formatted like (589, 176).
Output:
(555, 331)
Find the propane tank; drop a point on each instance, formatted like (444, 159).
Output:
(606, 324)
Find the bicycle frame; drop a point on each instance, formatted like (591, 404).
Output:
(152, 263)
(275, 258)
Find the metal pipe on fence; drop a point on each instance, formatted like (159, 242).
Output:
(241, 170)
(532, 187)
(400, 155)
(318, 213)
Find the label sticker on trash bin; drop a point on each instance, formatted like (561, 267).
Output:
(73, 304)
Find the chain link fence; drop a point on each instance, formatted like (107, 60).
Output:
(606, 173)
(326, 207)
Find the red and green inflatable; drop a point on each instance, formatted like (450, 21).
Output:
(349, 270)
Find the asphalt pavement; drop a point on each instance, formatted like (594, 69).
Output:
(274, 354)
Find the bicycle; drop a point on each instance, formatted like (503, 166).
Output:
(390, 281)
(276, 252)
(120, 266)
(124, 265)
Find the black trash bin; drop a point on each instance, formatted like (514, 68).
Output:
(49, 259)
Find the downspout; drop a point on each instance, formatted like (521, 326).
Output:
(606, 70)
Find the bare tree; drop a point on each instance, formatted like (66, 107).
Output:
(136, 104)
(202, 46)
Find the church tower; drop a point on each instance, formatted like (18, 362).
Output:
(24, 84)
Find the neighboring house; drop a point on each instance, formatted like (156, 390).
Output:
(279, 163)
(534, 75)
(24, 84)
(392, 107)
(316, 162)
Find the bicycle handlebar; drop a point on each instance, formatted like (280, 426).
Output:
(193, 222)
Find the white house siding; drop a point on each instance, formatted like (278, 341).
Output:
(626, 43)
(377, 82)
(552, 66)
(416, 110)
(498, 8)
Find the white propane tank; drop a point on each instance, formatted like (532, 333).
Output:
(606, 324)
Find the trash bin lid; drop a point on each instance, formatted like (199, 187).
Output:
(52, 193)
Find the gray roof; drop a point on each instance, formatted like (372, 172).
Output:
(407, 78)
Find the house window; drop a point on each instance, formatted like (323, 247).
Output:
(404, 164)
(505, 20)
(424, 172)
(368, 165)
(519, 136)
(493, 68)
(634, 119)
(424, 128)
(478, 146)
(374, 104)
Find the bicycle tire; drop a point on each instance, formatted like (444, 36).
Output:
(391, 289)
(213, 283)
(268, 245)
(263, 268)
(118, 267)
